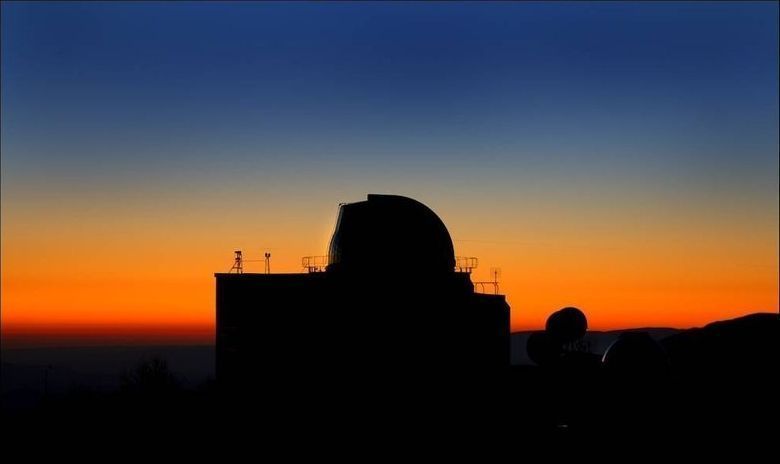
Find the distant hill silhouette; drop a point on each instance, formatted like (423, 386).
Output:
(748, 343)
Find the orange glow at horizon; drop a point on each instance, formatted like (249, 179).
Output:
(126, 277)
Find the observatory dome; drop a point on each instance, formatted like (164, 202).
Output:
(390, 233)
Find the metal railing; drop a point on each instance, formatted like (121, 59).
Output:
(466, 263)
(315, 263)
(486, 287)
(320, 263)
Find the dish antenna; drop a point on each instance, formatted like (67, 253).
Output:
(567, 325)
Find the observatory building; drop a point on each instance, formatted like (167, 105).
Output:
(389, 299)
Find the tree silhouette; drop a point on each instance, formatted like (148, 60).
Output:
(150, 377)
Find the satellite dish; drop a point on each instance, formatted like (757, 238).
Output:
(542, 348)
(635, 352)
(567, 325)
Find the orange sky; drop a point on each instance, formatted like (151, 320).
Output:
(91, 269)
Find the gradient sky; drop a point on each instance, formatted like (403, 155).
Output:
(619, 157)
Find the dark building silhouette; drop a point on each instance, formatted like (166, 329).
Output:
(389, 304)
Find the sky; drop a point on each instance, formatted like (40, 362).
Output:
(618, 157)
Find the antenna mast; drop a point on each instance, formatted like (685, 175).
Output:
(495, 272)
(238, 264)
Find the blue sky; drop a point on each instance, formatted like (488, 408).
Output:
(96, 86)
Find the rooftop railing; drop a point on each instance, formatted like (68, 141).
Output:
(466, 263)
(315, 263)
(490, 287)
(320, 263)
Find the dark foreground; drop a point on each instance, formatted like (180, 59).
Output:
(527, 406)
(720, 392)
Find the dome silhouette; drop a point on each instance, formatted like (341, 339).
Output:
(635, 352)
(567, 325)
(390, 233)
(542, 348)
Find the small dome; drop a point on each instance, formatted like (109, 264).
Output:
(390, 233)
(635, 352)
(567, 325)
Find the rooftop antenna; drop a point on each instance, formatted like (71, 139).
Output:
(495, 272)
(267, 262)
(238, 264)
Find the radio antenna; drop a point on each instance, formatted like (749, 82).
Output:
(238, 264)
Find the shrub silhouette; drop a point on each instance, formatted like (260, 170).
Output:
(150, 377)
